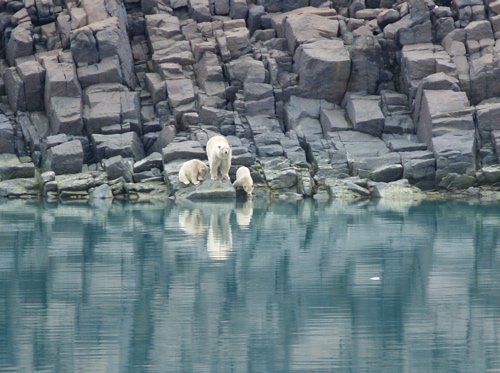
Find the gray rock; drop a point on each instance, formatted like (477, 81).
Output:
(65, 158)
(300, 28)
(419, 168)
(442, 112)
(20, 188)
(367, 65)
(279, 173)
(154, 160)
(438, 81)
(12, 168)
(128, 145)
(20, 43)
(183, 150)
(365, 113)
(245, 69)
(322, 58)
(33, 76)
(455, 153)
(238, 41)
(199, 10)
(208, 189)
(14, 86)
(334, 120)
(180, 92)
(116, 167)
(344, 189)
(386, 167)
(387, 16)
(66, 115)
(490, 175)
(156, 87)
(101, 192)
(255, 13)
(221, 7)
(60, 81)
(208, 69)
(398, 124)
(455, 181)
(398, 143)
(479, 30)
(80, 182)
(147, 176)
(7, 139)
(238, 9)
(110, 104)
(400, 190)
(257, 91)
(48, 176)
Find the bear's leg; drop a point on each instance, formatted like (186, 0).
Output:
(193, 176)
(183, 177)
(213, 169)
(224, 169)
(200, 176)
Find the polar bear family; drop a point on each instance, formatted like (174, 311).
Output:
(219, 153)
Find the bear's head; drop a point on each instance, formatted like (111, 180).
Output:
(224, 150)
(248, 189)
(202, 171)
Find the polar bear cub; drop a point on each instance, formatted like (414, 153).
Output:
(192, 171)
(219, 155)
(244, 180)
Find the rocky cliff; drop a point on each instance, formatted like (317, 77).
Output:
(321, 98)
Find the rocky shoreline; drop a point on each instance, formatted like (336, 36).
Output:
(105, 99)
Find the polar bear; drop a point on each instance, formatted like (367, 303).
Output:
(192, 171)
(219, 155)
(244, 180)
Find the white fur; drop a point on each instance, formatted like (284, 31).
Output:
(219, 155)
(244, 180)
(192, 171)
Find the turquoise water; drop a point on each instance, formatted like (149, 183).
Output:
(249, 287)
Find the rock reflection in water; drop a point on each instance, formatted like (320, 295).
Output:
(249, 287)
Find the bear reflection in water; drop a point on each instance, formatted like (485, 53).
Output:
(244, 214)
(220, 237)
(193, 222)
(216, 219)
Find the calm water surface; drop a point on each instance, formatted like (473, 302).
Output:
(249, 287)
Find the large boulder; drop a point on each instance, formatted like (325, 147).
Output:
(300, 28)
(110, 104)
(446, 125)
(20, 43)
(66, 115)
(365, 113)
(183, 150)
(12, 168)
(60, 81)
(65, 158)
(324, 68)
(33, 76)
(367, 65)
(128, 145)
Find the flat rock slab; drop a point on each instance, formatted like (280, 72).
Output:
(24, 188)
(208, 189)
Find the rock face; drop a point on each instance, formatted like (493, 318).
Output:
(317, 98)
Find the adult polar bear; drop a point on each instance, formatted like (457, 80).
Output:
(219, 155)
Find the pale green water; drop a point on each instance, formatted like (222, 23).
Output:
(232, 287)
